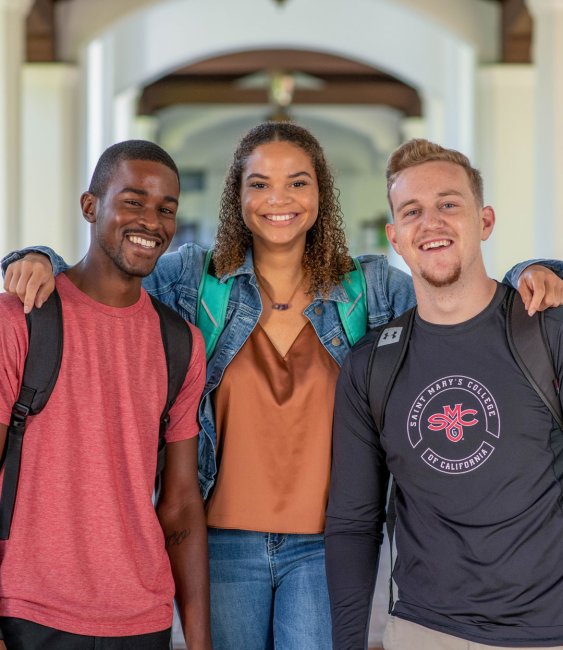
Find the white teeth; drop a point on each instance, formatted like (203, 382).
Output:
(436, 244)
(146, 243)
(279, 217)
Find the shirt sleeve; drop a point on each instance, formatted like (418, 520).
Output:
(183, 415)
(513, 275)
(356, 508)
(400, 289)
(57, 262)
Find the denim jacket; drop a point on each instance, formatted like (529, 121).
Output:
(176, 279)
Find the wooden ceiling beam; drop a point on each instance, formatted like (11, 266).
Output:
(517, 28)
(40, 30)
(346, 82)
(169, 92)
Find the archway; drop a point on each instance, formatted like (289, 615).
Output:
(162, 37)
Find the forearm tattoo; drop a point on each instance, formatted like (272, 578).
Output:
(176, 537)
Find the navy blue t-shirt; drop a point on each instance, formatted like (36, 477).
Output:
(478, 463)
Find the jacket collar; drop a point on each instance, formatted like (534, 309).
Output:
(246, 268)
(336, 294)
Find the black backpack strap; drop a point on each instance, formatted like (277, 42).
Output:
(528, 342)
(177, 342)
(385, 361)
(43, 361)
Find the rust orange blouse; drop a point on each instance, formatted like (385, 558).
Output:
(274, 420)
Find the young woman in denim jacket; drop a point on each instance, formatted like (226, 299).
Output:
(266, 410)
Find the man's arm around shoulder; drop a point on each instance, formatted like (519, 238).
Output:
(181, 514)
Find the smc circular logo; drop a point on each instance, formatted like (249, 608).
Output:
(454, 422)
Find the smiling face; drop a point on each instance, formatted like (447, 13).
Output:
(437, 223)
(279, 195)
(135, 219)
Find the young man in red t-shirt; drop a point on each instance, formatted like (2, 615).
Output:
(89, 561)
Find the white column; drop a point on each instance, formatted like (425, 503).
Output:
(450, 112)
(434, 112)
(97, 63)
(127, 125)
(12, 31)
(460, 99)
(548, 58)
(124, 113)
(505, 145)
(51, 183)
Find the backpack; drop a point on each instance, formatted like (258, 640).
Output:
(527, 341)
(42, 365)
(213, 298)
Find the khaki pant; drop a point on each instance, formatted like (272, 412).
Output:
(404, 635)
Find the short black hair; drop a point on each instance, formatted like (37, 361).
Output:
(127, 150)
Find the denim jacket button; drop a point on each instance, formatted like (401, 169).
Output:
(318, 310)
(336, 341)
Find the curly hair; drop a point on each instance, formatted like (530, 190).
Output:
(326, 257)
(418, 151)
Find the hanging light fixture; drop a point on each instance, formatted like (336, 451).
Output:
(280, 86)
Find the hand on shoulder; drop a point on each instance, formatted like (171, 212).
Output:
(31, 279)
(540, 288)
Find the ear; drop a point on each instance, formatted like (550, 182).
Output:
(392, 237)
(89, 203)
(487, 222)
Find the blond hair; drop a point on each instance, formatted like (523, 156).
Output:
(418, 151)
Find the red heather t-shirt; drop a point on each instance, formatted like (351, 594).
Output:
(86, 552)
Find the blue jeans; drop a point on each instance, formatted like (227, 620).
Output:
(268, 591)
